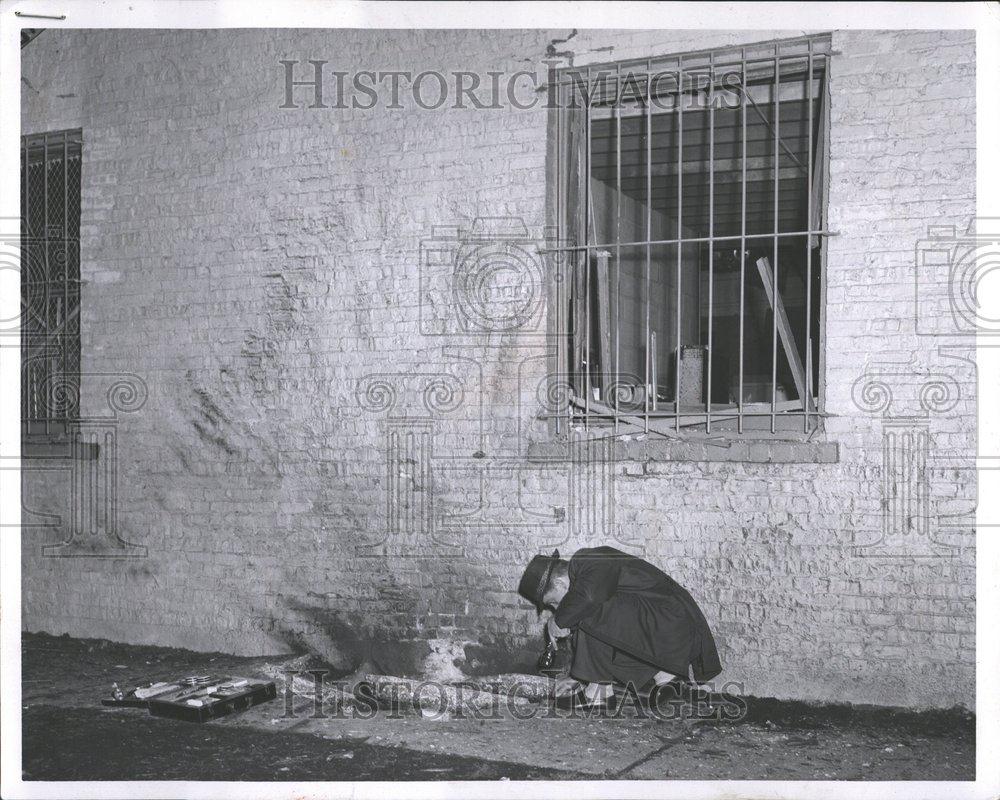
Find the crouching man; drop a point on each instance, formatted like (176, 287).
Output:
(631, 623)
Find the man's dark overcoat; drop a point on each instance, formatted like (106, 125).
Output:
(635, 607)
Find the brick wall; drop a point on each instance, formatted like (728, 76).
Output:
(312, 464)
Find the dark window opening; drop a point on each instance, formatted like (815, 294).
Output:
(688, 187)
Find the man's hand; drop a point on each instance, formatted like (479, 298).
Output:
(565, 686)
(554, 631)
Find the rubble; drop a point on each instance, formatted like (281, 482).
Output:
(536, 688)
(432, 697)
(304, 684)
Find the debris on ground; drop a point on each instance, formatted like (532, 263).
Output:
(537, 688)
(305, 678)
(73, 737)
(433, 698)
(314, 687)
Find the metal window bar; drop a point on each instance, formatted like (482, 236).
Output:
(50, 280)
(711, 234)
(616, 378)
(560, 324)
(743, 234)
(588, 233)
(809, 216)
(695, 240)
(648, 387)
(777, 219)
(816, 52)
(680, 235)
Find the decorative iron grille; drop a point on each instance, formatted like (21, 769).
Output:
(50, 280)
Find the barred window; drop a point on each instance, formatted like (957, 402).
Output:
(50, 280)
(690, 202)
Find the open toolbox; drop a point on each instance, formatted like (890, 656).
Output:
(197, 698)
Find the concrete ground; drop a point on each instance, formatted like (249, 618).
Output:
(68, 735)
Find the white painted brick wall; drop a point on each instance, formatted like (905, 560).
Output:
(252, 264)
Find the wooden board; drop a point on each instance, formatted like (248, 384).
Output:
(665, 426)
(784, 330)
(604, 322)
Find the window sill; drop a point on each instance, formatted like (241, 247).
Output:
(59, 449)
(653, 449)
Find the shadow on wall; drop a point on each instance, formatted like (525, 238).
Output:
(352, 643)
(233, 416)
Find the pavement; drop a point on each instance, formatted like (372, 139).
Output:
(69, 735)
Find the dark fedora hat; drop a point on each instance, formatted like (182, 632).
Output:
(536, 577)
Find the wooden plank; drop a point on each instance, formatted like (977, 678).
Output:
(604, 322)
(580, 367)
(576, 203)
(784, 329)
(818, 189)
(665, 425)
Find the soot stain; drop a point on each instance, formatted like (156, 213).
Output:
(212, 438)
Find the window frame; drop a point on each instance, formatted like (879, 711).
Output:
(817, 54)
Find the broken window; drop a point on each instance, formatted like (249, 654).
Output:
(690, 204)
(50, 281)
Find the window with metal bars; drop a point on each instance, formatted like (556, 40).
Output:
(50, 281)
(690, 202)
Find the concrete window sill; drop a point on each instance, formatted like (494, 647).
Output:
(753, 451)
(56, 449)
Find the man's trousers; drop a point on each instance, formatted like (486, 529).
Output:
(595, 661)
